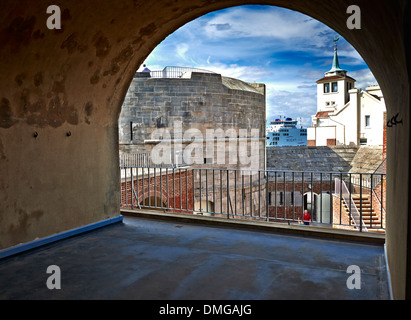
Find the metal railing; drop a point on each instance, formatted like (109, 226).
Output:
(332, 199)
(144, 159)
(346, 195)
(176, 72)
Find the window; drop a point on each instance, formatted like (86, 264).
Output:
(326, 88)
(363, 142)
(281, 199)
(367, 121)
(208, 160)
(334, 86)
(131, 131)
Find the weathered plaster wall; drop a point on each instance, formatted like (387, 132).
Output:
(76, 78)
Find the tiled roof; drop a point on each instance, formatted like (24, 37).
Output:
(323, 114)
(330, 78)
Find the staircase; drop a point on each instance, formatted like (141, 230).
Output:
(371, 220)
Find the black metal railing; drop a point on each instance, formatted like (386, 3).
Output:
(172, 72)
(335, 200)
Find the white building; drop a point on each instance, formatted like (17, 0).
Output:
(345, 114)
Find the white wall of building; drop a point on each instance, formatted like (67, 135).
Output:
(349, 120)
(371, 130)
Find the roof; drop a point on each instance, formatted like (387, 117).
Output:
(336, 64)
(236, 84)
(323, 114)
(330, 78)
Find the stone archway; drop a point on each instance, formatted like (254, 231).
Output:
(61, 93)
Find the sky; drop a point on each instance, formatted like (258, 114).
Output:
(284, 49)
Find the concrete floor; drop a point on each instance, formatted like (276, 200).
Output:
(150, 259)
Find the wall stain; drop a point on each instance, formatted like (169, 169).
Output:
(25, 221)
(38, 79)
(72, 44)
(2, 154)
(147, 30)
(20, 78)
(123, 57)
(89, 109)
(95, 78)
(37, 108)
(18, 33)
(38, 35)
(6, 114)
(102, 46)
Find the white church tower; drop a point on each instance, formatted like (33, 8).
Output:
(343, 112)
(332, 90)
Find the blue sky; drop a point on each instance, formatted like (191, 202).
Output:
(284, 49)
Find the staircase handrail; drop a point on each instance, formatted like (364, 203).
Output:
(341, 188)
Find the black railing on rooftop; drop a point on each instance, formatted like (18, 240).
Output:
(176, 72)
(353, 201)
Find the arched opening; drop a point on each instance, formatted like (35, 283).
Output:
(314, 202)
(153, 203)
(311, 204)
(160, 97)
(84, 71)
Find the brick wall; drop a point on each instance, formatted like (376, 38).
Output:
(331, 142)
(173, 190)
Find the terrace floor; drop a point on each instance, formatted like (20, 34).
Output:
(171, 260)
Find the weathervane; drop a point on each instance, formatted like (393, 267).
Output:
(335, 42)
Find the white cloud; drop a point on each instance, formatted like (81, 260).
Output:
(271, 22)
(181, 50)
(291, 104)
(245, 73)
(286, 50)
(364, 78)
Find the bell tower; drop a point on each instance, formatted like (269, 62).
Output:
(333, 89)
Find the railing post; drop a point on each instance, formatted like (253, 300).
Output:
(371, 196)
(228, 196)
(360, 202)
(267, 194)
(321, 197)
(382, 199)
(341, 198)
(293, 195)
(132, 189)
